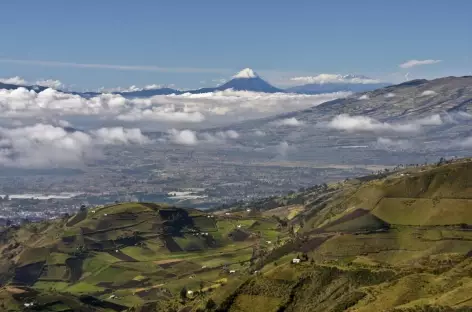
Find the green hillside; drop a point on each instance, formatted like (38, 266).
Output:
(395, 242)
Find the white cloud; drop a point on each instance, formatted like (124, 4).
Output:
(219, 137)
(119, 135)
(183, 137)
(214, 108)
(335, 78)
(413, 63)
(366, 124)
(14, 81)
(293, 122)
(43, 145)
(219, 81)
(428, 93)
(259, 133)
(231, 134)
(433, 120)
(50, 83)
(283, 148)
(391, 144)
(160, 114)
(390, 95)
(364, 97)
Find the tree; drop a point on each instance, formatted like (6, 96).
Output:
(183, 293)
(441, 161)
(202, 284)
(210, 305)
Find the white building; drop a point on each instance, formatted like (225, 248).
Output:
(296, 260)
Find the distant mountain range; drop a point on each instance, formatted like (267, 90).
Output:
(317, 88)
(413, 99)
(245, 80)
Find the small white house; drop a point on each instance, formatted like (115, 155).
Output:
(248, 210)
(112, 297)
(269, 242)
(29, 304)
(189, 292)
(295, 260)
(239, 226)
(227, 213)
(232, 271)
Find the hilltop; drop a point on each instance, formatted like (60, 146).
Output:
(393, 241)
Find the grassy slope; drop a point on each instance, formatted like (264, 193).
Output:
(409, 250)
(139, 253)
(402, 242)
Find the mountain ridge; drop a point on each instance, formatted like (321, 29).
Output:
(245, 80)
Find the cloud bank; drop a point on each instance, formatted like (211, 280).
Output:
(48, 83)
(291, 122)
(14, 81)
(49, 146)
(214, 108)
(428, 93)
(351, 124)
(191, 138)
(392, 144)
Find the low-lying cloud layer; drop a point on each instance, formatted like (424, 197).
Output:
(48, 146)
(428, 93)
(393, 144)
(192, 138)
(291, 122)
(351, 124)
(49, 83)
(214, 108)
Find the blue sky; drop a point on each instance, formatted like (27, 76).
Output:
(186, 42)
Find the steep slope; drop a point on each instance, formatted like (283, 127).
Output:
(361, 260)
(413, 99)
(355, 252)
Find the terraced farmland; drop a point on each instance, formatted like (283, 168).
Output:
(399, 242)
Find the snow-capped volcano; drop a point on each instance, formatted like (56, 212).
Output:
(246, 73)
(248, 80)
